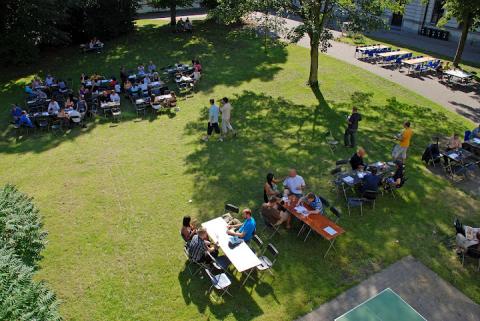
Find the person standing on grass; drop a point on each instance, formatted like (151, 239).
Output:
(226, 110)
(352, 127)
(400, 150)
(213, 114)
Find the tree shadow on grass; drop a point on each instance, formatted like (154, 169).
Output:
(195, 291)
(275, 134)
(229, 55)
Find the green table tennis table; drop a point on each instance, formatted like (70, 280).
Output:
(385, 306)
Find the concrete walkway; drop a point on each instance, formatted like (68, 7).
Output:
(466, 102)
(420, 287)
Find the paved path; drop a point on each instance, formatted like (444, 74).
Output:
(425, 291)
(464, 102)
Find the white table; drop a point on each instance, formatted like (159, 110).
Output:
(457, 73)
(242, 257)
(362, 49)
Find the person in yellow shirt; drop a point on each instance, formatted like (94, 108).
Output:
(400, 150)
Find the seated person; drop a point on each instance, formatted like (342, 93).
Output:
(81, 106)
(312, 201)
(97, 43)
(356, 161)
(155, 77)
(82, 90)
(454, 142)
(294, 183)
(117, 88)
(146, 80)
(151, 67)
(127, 86)
(62, 86)
(25, 120)
(114, 97)
(36, 83)
(16, 113)
(188, 25)
(141, 70)
(198, 247)
(53, 107)
(475, 132)
(49, 81)
(135, 88)
(70, 103)
(29, 91)
(270, 188)
(40, 94)
(274, 213)
(105, 97)
(91, 44)
(246, 230)
(397, 177)
(371, 181)
(188, 229)
(143, 87)
(113, 82)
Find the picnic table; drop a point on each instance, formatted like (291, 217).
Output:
(472, 146)
(416, 61)
(458, 76)
(373, 47)
(241, 257)
(317, 222)
(392, 53)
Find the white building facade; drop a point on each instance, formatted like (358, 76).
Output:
(422, 17)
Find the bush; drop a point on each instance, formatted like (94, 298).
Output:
(20, 297)
(20, 226)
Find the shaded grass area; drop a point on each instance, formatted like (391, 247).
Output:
(364, 40)
(113, 196)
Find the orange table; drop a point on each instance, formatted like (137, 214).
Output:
(317, 222)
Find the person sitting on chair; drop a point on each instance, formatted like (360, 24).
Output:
(468, 237)
(397, 177)
(104, 98)
(356, 161)
(114, 97)
(246, 229)
(151, 67)
(312, 201)
(16, 113)
(188, 229)
(270, 188)
(198, 248)
(274, 213)
(475, 132)
(371, 181)
(53, 107)
(294, 184)
(454, 142)
(25, 120)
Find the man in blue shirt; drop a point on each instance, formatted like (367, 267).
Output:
(25, 120)
(247, 229)
(312, 201)
(371, 182)
(213, 113)
(16, 113)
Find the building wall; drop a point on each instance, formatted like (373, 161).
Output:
(414, 15)
(145, 8)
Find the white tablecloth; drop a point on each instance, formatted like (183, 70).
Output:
(242, 257)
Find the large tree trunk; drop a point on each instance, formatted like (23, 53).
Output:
(173, 15)
(313, 77)
(463, 39)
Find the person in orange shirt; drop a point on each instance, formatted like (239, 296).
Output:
(400, 150)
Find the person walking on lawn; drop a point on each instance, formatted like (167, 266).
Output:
(352, 127)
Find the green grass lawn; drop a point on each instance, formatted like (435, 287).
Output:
(363, 40)
(113, 195)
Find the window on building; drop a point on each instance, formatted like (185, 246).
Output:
(438, 11)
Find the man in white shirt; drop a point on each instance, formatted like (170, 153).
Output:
(294, 183)
(114, 97)
(226, 110)
(53, 107)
